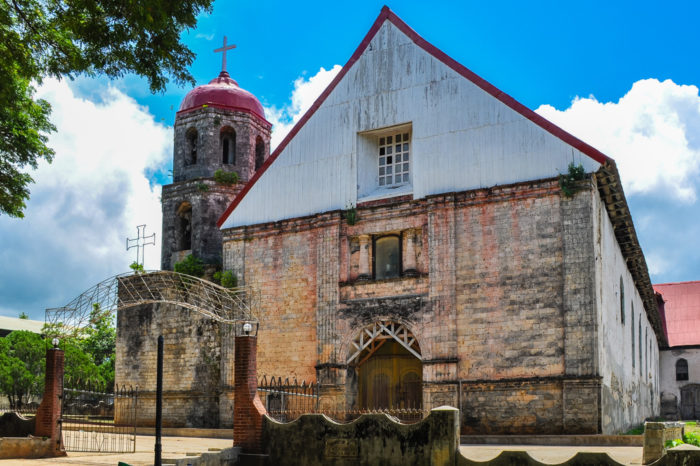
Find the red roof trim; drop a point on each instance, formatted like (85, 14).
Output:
(387, 14)
(226, 107)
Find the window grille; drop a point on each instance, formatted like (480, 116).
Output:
(681, 369)
(394, 159)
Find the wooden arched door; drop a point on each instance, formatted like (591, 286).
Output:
(390, 378)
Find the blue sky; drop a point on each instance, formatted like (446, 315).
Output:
(621, 75)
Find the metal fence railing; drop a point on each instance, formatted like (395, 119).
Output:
(88, 420)
(286, 400)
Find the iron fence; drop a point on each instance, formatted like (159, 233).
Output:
(28, 408)
(93, 420)
(286, 400)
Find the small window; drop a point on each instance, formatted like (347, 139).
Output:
(641, 368)
(634, 355)
(228, 146)
(394, 159)
(622, 301)
(681, 369)
(387, 257)
(191, 149)
(259, 153)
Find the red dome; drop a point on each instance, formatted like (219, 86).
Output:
(222, 92)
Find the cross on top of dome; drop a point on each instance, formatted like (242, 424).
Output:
(223, 50)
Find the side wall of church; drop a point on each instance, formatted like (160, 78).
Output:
(629, 352)
(195, 390)
(502, 302)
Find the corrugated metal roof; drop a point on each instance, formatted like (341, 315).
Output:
(682, 312)
(13, 323)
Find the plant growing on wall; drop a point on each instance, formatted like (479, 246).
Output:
(227, 178)
(203, 187)
(351, 214)
(227, 279)
(568, 181)
(136, 267)
(190, 265)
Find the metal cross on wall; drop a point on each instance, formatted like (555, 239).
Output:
(140, 242)
(223, 50)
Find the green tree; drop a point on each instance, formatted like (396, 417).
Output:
(22, 362)
(23, 315)
(62, 38)
(98, 340)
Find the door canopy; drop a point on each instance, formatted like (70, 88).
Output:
(372, 337)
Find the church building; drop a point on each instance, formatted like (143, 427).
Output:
(419, 239)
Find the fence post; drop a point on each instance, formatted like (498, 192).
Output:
(248, 410)
(48, 416)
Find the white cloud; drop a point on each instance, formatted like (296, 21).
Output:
(86, 202)
(305, 93)
(653, 133)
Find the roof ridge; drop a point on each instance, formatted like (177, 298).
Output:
(384, 15)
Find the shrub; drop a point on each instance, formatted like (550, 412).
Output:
(567, 182)
(227, 279)
(223, 177)
(190, 265)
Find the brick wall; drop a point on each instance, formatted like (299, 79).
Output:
(502, 300)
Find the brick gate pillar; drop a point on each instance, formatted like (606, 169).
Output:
(248, 410)
(46, 422)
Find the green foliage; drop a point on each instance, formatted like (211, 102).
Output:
(639, 430)
(203, 187)
(223, 177)
(567, 182)
(22, 362)
(136, 267)
(98, 341)
(227, 279)
(351, 215)
(23, 315)
(692, 438)
(55, 38)
(673, 443)
(190, 265)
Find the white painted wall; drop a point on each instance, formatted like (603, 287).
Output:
(463, 138)
(634, 387)
(667, 362)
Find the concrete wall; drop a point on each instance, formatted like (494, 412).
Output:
(670, 387)
(197, 379)
(462, 137)
(372, 439)
(630, 391)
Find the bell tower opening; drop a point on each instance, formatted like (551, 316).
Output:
(387, 361)
(259, 153)
(191, 149)
(184, 227)
(228, 146)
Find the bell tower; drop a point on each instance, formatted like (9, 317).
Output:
(221, 139)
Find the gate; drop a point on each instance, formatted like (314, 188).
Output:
(98, 421)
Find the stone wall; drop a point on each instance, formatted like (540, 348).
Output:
(197, 382)
(501, 300)
(372, 439)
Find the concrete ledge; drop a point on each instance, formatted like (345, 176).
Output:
(225, 457)
(188, 432)
(522, 458)
(554, 440)
(26, 447)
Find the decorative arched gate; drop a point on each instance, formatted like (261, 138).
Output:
(111, 428)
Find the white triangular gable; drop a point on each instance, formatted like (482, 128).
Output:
(462, 137)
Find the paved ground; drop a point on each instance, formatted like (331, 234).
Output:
(179, 447)
(173, 447)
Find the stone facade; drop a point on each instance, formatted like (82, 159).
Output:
(501, 300)
(199, 353)
(195, 201)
